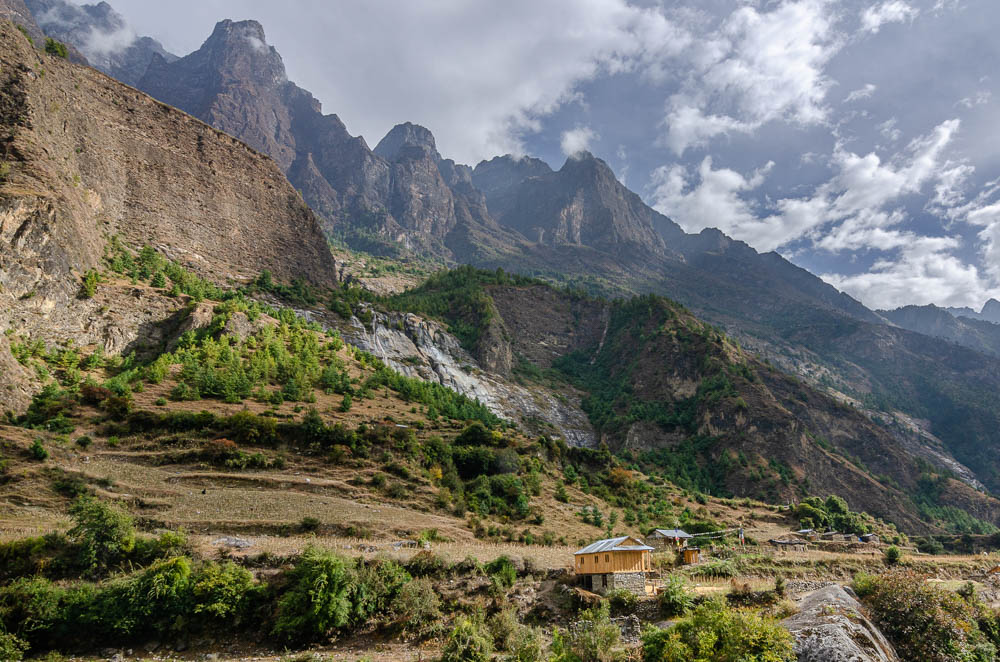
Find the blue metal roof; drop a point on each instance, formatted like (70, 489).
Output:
(614, 545)
(673, 533)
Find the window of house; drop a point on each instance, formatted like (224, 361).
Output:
(597, 559)
(582, 559)
(607, 558)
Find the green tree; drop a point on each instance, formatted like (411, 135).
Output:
(318, 599)
(57, 48)
(469, 641)
(104, 533)
(89, 286)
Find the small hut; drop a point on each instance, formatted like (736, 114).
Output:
(690, 555)
(614, 563)
(661, 538)
(793, 545)
(871, 538)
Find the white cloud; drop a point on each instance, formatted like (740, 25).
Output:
(925, 271)
(714, 201)
(851, 211)
(577, 140)
(757, 67)
(889, 131)
(861, 93)
(891, 11)
(978, 99)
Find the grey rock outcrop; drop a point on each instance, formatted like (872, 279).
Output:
(832, 627)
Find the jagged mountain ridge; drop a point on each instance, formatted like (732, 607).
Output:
(990, 312)
(977, 334)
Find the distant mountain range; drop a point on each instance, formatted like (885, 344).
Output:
(577, 225)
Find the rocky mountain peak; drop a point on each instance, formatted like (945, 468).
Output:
(238, 51)
(501, 173)
(406, 135)
(991, 311)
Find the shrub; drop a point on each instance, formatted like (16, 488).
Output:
(502, 572)
(222, 592)
(594, 639)
(309, 524)
(88, 288)
(622, 601)
(377, 587)
(37, 451)
(525, 645)
(12, 648)
(57, 48)
(715, 632)
(104, 533)
(675, 599)
(922, 621)
(425, 563)
(318, 597)
(84, 442)
(893, 555)
(469, 642)
(418, 608)
(503, 625)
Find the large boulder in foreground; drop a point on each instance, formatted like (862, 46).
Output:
(832, 627)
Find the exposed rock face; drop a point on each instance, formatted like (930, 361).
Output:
(101, 34)
(832, 627)
(89, 158)
(423, 348)
(582, 204)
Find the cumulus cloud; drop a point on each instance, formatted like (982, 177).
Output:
(576, 140)
(757, 67)
(891, 11)
(712, 198)
(925, 271)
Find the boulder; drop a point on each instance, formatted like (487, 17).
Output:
(832, 627)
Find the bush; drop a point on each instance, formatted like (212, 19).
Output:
(88, 288)
(12, 648)
(84, 442)
(622, 601)
(418, 608)
(309, 524)
(37, 451)
(223, 593)
(922, 621)
(425, 563)
(675, 599)
(715, 632)
(57, 48)
(103, 533)
(525, 646)
(594, 639)
(318, 598)
(469, 642)
(893, 555)
(502, 571)
(378, 585)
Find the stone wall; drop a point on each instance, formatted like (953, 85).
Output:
(634, 582)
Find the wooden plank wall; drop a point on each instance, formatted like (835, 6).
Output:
(604, 562)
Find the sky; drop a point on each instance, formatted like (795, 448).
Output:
(854, 137)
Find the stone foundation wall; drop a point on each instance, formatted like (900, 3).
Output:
(634, 582)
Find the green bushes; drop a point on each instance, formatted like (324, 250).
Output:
(469, 641)
(675, 599)
(57, 48)
(502, 572)
(88, 286)
(37, 451)
(715, 632)
(418, 608)
(594, 639)
(892, 555)
(103, 533)
(318, 598)
(925, 622)
(814, 512)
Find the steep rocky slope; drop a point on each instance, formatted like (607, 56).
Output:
(86, 158)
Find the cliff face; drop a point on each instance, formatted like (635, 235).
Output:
(86, 158)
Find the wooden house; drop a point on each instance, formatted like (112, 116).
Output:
(661, 538)
(690, 555)
(614, 563)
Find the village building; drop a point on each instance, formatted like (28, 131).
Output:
(690, 555)
(614, 563)
(792, 545)
(870, 538)
(661, 538)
